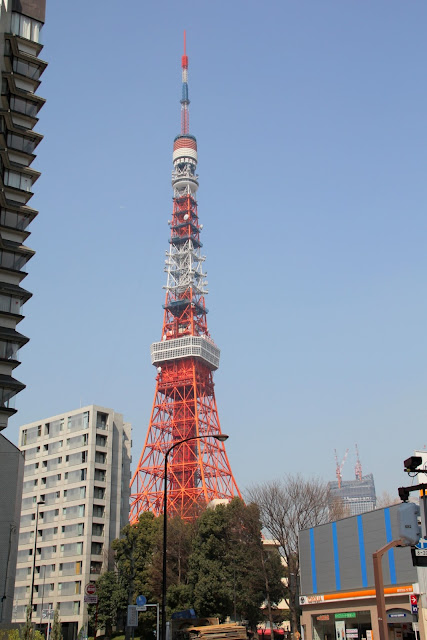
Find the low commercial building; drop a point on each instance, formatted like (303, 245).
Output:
(75, 502)
(337, 579)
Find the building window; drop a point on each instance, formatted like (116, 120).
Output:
(85, 419)
(26, 27)
(39, 431)
(18, 181)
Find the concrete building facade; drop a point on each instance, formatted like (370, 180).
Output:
(21, 67)
(75, 501)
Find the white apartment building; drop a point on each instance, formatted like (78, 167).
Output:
(75, 501)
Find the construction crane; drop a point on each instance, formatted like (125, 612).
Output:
(339, 467)
(358, 466)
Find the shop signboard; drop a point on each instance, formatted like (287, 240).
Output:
(419, 557)
(352, 633)
(132, 616)
(345, 614)
(340, 630)
(323, 618)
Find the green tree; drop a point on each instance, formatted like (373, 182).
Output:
(226, 569)
(27, 629)
(112, 601)
(180, 542)
(134, 553)
(55, 633)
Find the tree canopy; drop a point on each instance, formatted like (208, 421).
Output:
(216, 565)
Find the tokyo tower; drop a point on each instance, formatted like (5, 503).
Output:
(184, 401)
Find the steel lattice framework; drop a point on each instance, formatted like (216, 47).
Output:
(184, 401)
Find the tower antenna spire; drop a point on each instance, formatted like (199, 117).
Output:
(185, 114)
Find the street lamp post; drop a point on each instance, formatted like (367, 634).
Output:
(221, 438)
(39, 503)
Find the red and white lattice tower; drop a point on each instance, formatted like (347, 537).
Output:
(184, 401)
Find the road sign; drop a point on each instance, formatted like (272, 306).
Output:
(422, 543)
(47, 613)
(91, 599)
(90, 589)
(141, 601)
(413, 598)
(132, 615)
(139, 609)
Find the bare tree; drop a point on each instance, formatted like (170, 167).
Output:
(287, 506)
(386, 500)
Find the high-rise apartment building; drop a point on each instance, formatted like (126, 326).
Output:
(75, 501)
(21, 67)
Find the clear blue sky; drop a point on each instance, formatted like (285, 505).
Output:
(311, 123)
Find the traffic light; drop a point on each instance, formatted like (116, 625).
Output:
(409, 529)
(411, 464)
(403, 493)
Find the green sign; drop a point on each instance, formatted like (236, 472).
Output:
(349, 614)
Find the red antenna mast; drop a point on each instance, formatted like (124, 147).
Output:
(339, 467)
(184, 404)
(358, 466)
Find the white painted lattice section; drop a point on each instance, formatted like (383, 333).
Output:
(183, 265)
(198, 347)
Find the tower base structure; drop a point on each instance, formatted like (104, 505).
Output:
(198, 471)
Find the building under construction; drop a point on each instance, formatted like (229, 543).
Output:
(356, 496)
(353, 496)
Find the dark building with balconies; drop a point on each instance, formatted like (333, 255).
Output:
(21, 23)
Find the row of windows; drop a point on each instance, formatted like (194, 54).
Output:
(75, 511)
(26, 27)
(21, 105)
(10, 304)
(50, 498)
(71, 530)
(20, 143)
(9, 350)
(13, 260)
(18, 180)
(44, 571)
(66, 549)
(74, 423)
(65, 608)
(71, 458)
(24, 68)
(12, 218)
